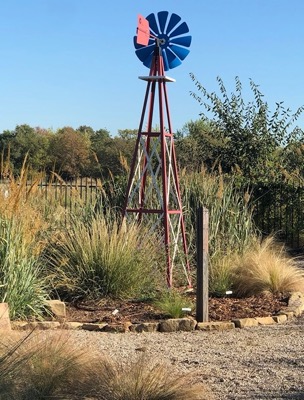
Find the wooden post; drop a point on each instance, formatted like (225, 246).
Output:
(202, 281)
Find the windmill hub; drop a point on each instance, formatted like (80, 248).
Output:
(163, 40)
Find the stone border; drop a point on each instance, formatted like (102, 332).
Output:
(294, 308)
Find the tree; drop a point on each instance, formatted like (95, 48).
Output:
(128, 134)
(251, 133)
(23, 142)
(70, 151)
(199, 143)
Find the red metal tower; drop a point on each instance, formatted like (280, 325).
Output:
(153, 192)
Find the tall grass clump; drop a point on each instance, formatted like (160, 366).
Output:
(23, 235)
(99, 257)
(22, 284)
(143, 378)
(53, 366)
(41, 366)
(266, 268)
(231, 227)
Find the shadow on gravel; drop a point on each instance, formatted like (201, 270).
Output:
(292, 395)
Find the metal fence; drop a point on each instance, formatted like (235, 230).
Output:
(278, 208)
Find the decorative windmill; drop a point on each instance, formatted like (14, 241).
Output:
(153, 192)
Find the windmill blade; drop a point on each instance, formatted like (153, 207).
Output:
(181, 52)
(148, 61)
(144, 52)
(162, 19)
(180, 30)
(174, 20)
(182, 41)
(153, 24)
(173, 60)
(165, 59)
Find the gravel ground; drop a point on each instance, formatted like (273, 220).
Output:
(252, 363)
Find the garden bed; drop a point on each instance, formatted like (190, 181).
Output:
(220, 309)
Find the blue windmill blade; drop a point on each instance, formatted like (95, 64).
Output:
(144, 53)
(182, 41)
(139, 46)
(181, 52)
(165, 59)
(153, 24)
(180, 30)
(172, 59)
(162, 19)
(148, 61)
(174, 20)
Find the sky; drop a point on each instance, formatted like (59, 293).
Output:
(72, 62)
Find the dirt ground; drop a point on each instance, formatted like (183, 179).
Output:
(220, 309)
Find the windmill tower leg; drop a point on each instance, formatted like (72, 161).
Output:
(153, 192)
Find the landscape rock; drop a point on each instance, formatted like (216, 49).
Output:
(72, 325)
(280, 319)
(57, 308)
(285, 311)
(45, 325)
(245, 322)
(144, 327)
(5, 322)
(265, 320)
(179, 324)
(117, 328)
(296, 300)
(215, 326)
(94, 327)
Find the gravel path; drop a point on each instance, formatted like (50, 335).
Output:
(251, 363)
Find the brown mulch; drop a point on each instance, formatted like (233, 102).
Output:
(220, 309)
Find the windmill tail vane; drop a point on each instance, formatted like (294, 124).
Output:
(153, 194)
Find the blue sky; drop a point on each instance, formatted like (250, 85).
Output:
(72, 62)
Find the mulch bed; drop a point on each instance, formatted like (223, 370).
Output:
(220, 309)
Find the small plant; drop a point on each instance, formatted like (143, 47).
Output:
(221, 274)
(171, 303)
(265, 267)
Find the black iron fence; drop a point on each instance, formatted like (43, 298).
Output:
(278, 208)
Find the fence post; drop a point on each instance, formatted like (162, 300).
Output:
(202, 280)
